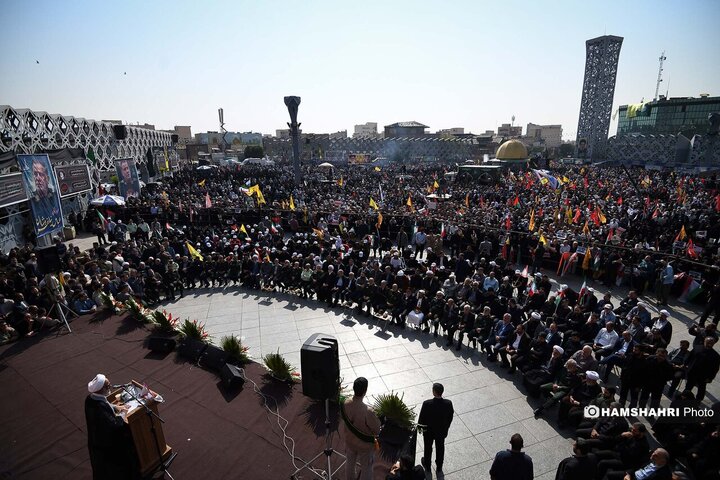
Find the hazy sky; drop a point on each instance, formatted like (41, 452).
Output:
(470, 64)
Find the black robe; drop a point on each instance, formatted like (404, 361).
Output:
(112, 453)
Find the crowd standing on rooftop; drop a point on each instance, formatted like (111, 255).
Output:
(471, 269)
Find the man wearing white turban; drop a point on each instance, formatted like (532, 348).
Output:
(109, 441)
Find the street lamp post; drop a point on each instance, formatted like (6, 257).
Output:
(292, 103)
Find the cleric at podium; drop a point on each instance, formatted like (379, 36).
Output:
(111, 449)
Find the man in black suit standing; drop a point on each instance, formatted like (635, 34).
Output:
(436, 415)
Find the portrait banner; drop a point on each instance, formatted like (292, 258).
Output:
(73, 179)
(43, 193)
(12, 190)
(128, 179)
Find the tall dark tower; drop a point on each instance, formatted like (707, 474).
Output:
(601, 62)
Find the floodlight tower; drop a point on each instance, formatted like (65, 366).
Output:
(660, 70)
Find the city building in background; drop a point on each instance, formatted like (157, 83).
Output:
(601, 62)
(405, 129)
(369, 129)
(547, 135)
(451, 131)
(670, 116)
(507, 130)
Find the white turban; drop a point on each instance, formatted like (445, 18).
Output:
(592, 375)
(559, 349)
(536, 315)
(97, 383)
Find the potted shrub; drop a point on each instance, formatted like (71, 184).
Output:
(397, 418)
(138, 312)
(279, 368)
(164, 322)
(193, 330)
(110, 304)
(237, 352)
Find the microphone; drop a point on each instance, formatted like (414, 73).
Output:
(120, 386)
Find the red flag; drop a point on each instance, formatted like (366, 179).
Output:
(576, 218)
(208, 203)
(595, 218)
(656, 213)
(516, 202)
(600, 184)
(508, 223)
(540, 212)
(691, 249)
(609, 237)
(585, 182)
(619, 201)
(567, 202)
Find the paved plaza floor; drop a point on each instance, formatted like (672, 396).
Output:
(490, 404)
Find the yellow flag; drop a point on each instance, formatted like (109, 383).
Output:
(467, 200)
(568, 215)
(565, 180)
(167, 162)
(586, 228)
(531, 225)
(253, 190)
(542, 240)
(587, 258)
(373, 204)
(435, 185)
(682, 235)
(260, 198)
(409, 201)
(377, 169)
(193, 253)
(202, 184)
(244, 230)
(292, 204)
(601, 217)
(379, 219)
(340, 182)
(319, 233)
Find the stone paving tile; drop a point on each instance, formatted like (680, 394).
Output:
(395, 365)
(462, 454)
(486, 419)
(397, 352)
(408, 378)
(444, 370)
(498, 439)
(359, 358)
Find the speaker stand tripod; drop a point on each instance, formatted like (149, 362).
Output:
(61, 309)
(328, 452)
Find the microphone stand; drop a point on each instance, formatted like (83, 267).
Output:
(149, 412)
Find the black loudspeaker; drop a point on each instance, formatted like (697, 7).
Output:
(174, 138)
(213, 358)
(192, 349)
(320, 366)
(231, 376)
(120, 132)
(161, 344)
(48, 260)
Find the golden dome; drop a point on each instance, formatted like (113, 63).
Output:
(512, 150)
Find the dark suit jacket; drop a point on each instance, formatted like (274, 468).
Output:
(437, 415)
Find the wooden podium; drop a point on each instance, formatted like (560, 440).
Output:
(140, 426)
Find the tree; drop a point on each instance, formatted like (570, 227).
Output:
(254, 151)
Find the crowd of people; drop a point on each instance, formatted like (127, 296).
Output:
(471, 269)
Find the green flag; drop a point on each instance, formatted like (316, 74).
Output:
(91, 156)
